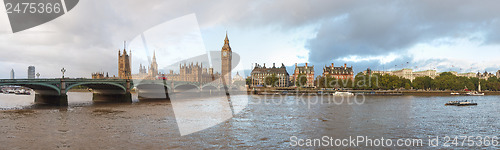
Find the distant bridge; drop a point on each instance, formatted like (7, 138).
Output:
(54, 91)
(177, 86)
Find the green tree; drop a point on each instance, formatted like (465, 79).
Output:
(271, 80)
(248, 81)
(422, 82)
(301, 80)
(361, 81)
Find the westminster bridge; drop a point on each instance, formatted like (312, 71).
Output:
(54, 91)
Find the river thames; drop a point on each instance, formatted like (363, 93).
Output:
(264, 122)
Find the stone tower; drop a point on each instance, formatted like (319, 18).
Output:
(226, 57)
(124, 71)
(153, 68)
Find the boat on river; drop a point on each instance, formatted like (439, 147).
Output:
(477, 93)
(337, 93)
(461, 103)
(474, 94)
(23, 92)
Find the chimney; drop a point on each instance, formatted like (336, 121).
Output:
(332, 65)
(264, 65)
(274, 66)
(345, 65)
(306, 64)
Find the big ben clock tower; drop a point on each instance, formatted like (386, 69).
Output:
(226, 56)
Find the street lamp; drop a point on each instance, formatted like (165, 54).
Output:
(38, 75)
(63, 70)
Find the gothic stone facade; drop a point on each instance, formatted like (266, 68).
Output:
(124, 61)
(196, 72)
(193, 73)
(151, 73)
(226, 58)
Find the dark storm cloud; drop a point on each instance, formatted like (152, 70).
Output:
(379, 28)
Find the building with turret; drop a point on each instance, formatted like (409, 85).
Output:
(226, 60)
(307, 71)
(259, 74)
(153, 68)
(193, 73)
(484, 75)
(100, 75)
(142, 69)
(12, 76)
(124, 64)
(341, 73)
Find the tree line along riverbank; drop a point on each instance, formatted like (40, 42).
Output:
(446, 81)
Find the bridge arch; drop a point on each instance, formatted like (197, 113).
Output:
(96, 85)
(36, 86)
(153, 84)
(209, 87)
(187, 86)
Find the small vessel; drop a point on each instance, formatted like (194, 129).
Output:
(475, 94)
(466, 103)
(337, 93)
(453, 103)
(454, 93)
(460, 103)
(10, 91)
(23, 92)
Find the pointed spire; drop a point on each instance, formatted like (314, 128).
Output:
(226, 41)
(154, 56)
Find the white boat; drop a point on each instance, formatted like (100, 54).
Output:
(23, 92)
(11, 91)
(475, 94)
(343, 94)
(455, 93)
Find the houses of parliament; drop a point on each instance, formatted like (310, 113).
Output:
(192, 72)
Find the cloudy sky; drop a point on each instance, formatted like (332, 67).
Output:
(462, 36)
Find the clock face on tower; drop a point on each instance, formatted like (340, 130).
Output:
(224, 54)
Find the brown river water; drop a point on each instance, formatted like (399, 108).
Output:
(259, 122)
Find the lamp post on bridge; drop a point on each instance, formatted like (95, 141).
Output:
(63, 70)
(38, 75)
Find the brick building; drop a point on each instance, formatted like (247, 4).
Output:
(306, 70)
(342, 72)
